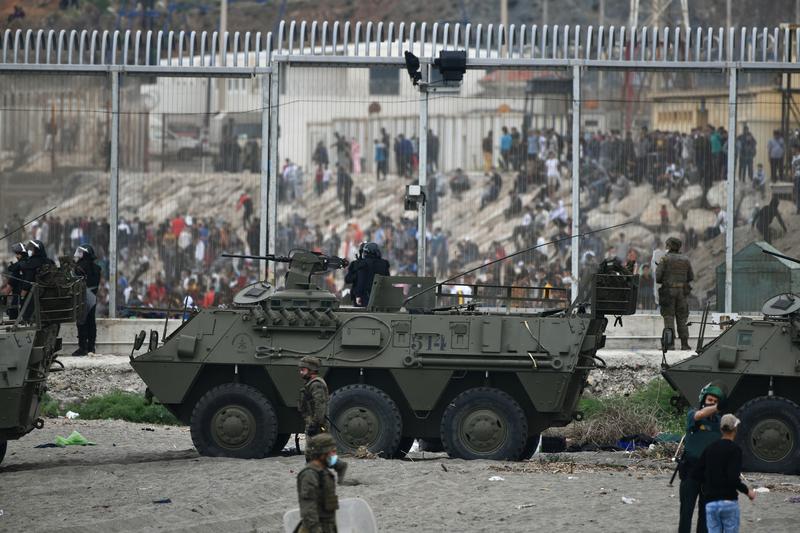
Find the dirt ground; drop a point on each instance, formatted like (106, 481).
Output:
(112, 487)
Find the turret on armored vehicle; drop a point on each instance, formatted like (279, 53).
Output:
(485, 377)
(757, 363)
(29, 345)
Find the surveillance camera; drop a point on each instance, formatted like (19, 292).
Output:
(412, 66)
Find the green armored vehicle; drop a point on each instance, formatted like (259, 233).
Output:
(485, 377)
(757, 363)
(29, 347)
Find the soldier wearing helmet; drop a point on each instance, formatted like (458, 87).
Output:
(361, 272)
(15, 279)
(313, 404)
(316, 488)
(87, 268)
(674, 273)
(702, 429)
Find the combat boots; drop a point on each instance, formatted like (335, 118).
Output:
(685, 344)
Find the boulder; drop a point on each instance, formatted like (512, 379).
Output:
(651, 216)
(598, 219)
(699, 219)
(640, 237)
(692, 198)
(718, 194)
(634, 204)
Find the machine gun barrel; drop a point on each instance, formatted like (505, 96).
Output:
(270, 257)
(792, 259)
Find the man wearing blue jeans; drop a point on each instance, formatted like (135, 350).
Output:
(719, 471)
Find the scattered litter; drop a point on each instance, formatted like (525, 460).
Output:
(625, 499)
(572, 477)
(148, 429)
(47, 445)
(761, 489)
(1, 512)
(72, 415)
(443, 467)
(74, 439)
(497, 478)
(526, 505)
(165, 500)
(790, 499)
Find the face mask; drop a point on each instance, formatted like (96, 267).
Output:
(332, 459)
(30, 253)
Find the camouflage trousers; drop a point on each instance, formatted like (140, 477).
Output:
(675, 308)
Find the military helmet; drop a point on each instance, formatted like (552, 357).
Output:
(18, 248)
(310, 362)
(85, 250)
(36, 247)
(371, 249)
(713, 389)
(320, 444)
(674, 243)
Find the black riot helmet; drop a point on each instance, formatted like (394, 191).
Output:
(19, 249)
(370, 249)
(36, 248)
(85, 251)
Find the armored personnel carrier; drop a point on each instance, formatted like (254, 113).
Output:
(484, 376)
(29, 345)
(757, 363)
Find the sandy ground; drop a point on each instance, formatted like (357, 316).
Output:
(112, 487)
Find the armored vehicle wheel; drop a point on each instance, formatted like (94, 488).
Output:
(484, 423)
(364, 415)
(3, 446)
(770, 435)
(280, 443)
(234, 420)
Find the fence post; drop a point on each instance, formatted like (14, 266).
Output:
(114, 193)
(423, 182)
(576, 180)
(731, 186)
(272, 198)
(263, 190)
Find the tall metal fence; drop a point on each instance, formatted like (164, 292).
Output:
(164, 149)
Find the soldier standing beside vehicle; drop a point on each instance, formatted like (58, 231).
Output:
(702, 429)
(674, 273)
(316, 488)
(37, 258)
(86, 267)
(313, 405)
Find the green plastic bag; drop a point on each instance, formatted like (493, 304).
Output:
(74, 439)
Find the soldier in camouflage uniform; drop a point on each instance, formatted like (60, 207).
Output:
(674, 273)
(313, 405)
(316, 488)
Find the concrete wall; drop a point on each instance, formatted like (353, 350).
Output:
(638, 332)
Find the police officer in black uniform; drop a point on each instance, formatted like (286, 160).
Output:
(15, 279)
(37, 258)
(362, 271)
(86, 267)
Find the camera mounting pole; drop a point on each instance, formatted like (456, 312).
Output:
(422, 208)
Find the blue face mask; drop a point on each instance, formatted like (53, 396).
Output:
(332, 459)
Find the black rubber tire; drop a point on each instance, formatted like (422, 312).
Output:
(474, 412)
(233, 401)
(280, 443)
(431, 445)
(775, 417)
(3, 447)
(530, 446)
(402, 450)
(353, 407)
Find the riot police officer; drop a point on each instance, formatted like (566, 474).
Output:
(87, 268)
(674, 273)
(37, 258)
(313, 405)
(15, 279)
(361, 272)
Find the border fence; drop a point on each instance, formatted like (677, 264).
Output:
(164, 149)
